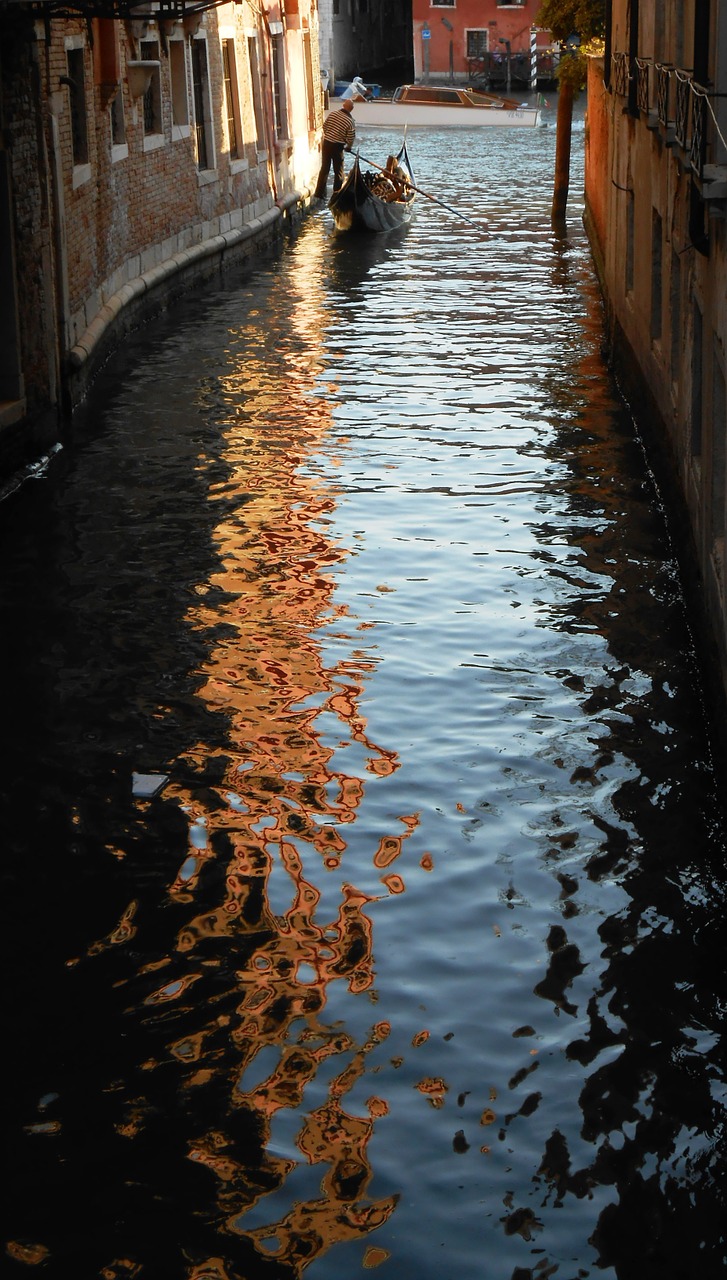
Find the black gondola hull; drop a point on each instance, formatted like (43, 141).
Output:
(356, 208)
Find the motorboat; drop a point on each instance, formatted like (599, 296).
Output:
(442, 106)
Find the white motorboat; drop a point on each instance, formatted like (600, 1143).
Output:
(439, 106)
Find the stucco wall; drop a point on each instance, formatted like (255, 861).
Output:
(666, 306)
(596, 154)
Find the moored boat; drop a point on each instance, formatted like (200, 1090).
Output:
(380, 201)
(440, 106)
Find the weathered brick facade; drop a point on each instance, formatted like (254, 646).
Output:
(141, 153)
(28, 383)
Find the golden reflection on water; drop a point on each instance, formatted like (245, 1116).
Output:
(282, 803)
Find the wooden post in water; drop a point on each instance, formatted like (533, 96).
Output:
(564, 126)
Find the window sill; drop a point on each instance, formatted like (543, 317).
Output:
(239, 166)
(714, 182)
(206, 176)
(153, 141)
(81, 175)
(180, 131)
(119, 151)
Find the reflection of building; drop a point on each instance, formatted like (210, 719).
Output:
(656, 189)
(137, 144)
(271, 927)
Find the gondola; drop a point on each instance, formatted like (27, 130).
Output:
(357, 207)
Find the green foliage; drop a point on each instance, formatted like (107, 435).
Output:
(564, 18)
(573, 70)
(587, 18)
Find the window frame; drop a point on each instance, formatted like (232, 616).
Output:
(179, 88)
(81, 170)
(202, 109)
(231, 98)
(256, 94)
(152, 102)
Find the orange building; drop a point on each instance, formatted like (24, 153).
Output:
(481, 40)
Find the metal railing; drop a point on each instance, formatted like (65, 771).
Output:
(698, 143)
(663, 79)
(620, 74)
(683, 99)
(642, 85)
(682, 106)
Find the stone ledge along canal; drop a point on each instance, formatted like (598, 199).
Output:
(363, 869)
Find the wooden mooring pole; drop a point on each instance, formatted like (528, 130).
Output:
(564, 127)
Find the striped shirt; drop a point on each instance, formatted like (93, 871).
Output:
(339, 127)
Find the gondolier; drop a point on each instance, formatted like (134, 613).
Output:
(339, 132)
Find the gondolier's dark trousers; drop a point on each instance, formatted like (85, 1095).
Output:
(331, 154)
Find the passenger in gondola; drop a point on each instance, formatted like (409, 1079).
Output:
(397, 176)
(339, 132)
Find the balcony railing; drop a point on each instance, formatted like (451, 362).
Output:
(698, 143)
(663, 79)
(642, 85)
(683, 100)
(620, 74)
(673, 101)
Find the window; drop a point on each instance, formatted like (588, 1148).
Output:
(696, 434)
(153, 97)
(232, 99)
(675, 307)
(629, 278)
(202, 111)
(118, 124)
(77, 87)
(718, 452)
(477, 42)
(656, 287)
(442, 4)
(279, 104)
(180, 94)
(257, 102)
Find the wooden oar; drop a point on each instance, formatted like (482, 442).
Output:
(448, 207)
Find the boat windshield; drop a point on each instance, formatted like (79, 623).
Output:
(428, 94)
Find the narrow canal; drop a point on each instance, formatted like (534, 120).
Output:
(363, 870)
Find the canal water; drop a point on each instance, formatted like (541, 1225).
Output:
(363, 871)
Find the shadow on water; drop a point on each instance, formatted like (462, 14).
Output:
(654, 1109)
(414, 958)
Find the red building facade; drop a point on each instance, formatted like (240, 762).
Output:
(481, 40)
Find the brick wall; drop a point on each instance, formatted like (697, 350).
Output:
(22, 137)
